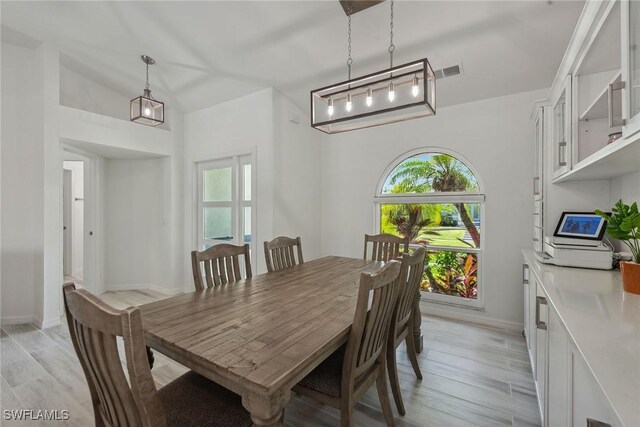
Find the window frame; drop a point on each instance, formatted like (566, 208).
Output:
(477, 197)
(236, 162)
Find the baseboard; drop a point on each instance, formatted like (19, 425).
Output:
(446, 312)
(135, 287)
(48, 323)
(129, 287)
(17, 320)
(166, 291)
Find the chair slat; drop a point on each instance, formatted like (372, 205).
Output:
(279, 253)
(385, 247)
(221, 265)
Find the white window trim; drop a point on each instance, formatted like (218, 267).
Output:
(252, 155)
(434, 198)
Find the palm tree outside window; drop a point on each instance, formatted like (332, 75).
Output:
(436, 199)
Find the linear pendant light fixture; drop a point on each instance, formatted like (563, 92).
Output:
(145, 109)
(396, 94)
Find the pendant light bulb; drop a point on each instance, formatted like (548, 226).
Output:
(349, 104)
(330, 109)
(147, 111)
(415, 89)
(392, 93)
(369, 97)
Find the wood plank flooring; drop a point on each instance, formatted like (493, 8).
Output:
(473, 376)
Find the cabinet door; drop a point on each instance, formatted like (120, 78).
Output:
(538, 159)
(630, 27)
(531, 331)
(561, 143)
(540, 375)
(558, 372)
(588, 401)
(525, 283)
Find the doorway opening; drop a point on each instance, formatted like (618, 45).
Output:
(73, 221)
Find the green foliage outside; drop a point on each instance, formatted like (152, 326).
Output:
(446, 272)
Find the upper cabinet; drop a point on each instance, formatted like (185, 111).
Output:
(561, 148)
(596, 109)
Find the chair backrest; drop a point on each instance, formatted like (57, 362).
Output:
(385, 246)
(370, 327)
(412, 269)
(221, 265)
(279, 253)
(94, 326)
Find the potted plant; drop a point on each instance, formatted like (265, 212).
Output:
(624, 224)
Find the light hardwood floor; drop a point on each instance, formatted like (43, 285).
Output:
(473, 376)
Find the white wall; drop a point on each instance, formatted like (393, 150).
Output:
(627, 188)
(233, 127)
(495, 135)
(296, 205)
(22, 184)
(78, 91)
(134, 223)
(77, 213)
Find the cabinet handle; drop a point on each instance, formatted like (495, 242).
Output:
(536, 179)
(596, 423)
(525, 274)
(540, 324)
(613, 122)
(561, 153)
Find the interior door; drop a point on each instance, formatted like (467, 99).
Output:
(67, 197)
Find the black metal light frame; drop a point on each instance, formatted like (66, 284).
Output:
(139, 117)
(380, 115)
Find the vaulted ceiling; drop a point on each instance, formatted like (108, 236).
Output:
(210, 52)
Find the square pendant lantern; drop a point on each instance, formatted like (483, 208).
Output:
(145, 109)
(396, 94)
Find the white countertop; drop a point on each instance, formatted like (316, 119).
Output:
(604, 324)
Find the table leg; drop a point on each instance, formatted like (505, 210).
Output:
(417, 325)
(266, 411)
(150, 357)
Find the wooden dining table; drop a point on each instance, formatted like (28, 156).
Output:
(260, 336)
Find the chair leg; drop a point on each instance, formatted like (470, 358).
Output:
(411, 352)
(383, 395)
(346, 415)
(392, 369)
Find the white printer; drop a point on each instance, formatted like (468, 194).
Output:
(577, 242)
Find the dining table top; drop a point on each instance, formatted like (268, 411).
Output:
(261, 335)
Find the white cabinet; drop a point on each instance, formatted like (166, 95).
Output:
(630, 27)
(568, 393)
(541, 335)
(596, 94)
(561, 124)
(557, 372)
(589, 406)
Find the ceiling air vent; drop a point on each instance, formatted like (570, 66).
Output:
(454, 70)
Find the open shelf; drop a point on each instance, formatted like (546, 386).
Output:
(616, 159)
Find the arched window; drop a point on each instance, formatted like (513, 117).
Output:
(436, 199)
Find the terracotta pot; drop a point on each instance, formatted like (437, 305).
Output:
(630, 277)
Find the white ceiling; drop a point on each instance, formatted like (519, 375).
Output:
(210, 52)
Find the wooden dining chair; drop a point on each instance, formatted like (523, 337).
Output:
(344, 377)
(279, 253)
(221, 265)
(188, 400)
(385, 247)
(402, 322)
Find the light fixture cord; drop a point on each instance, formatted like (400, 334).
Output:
(392, 47)
(349, 60)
